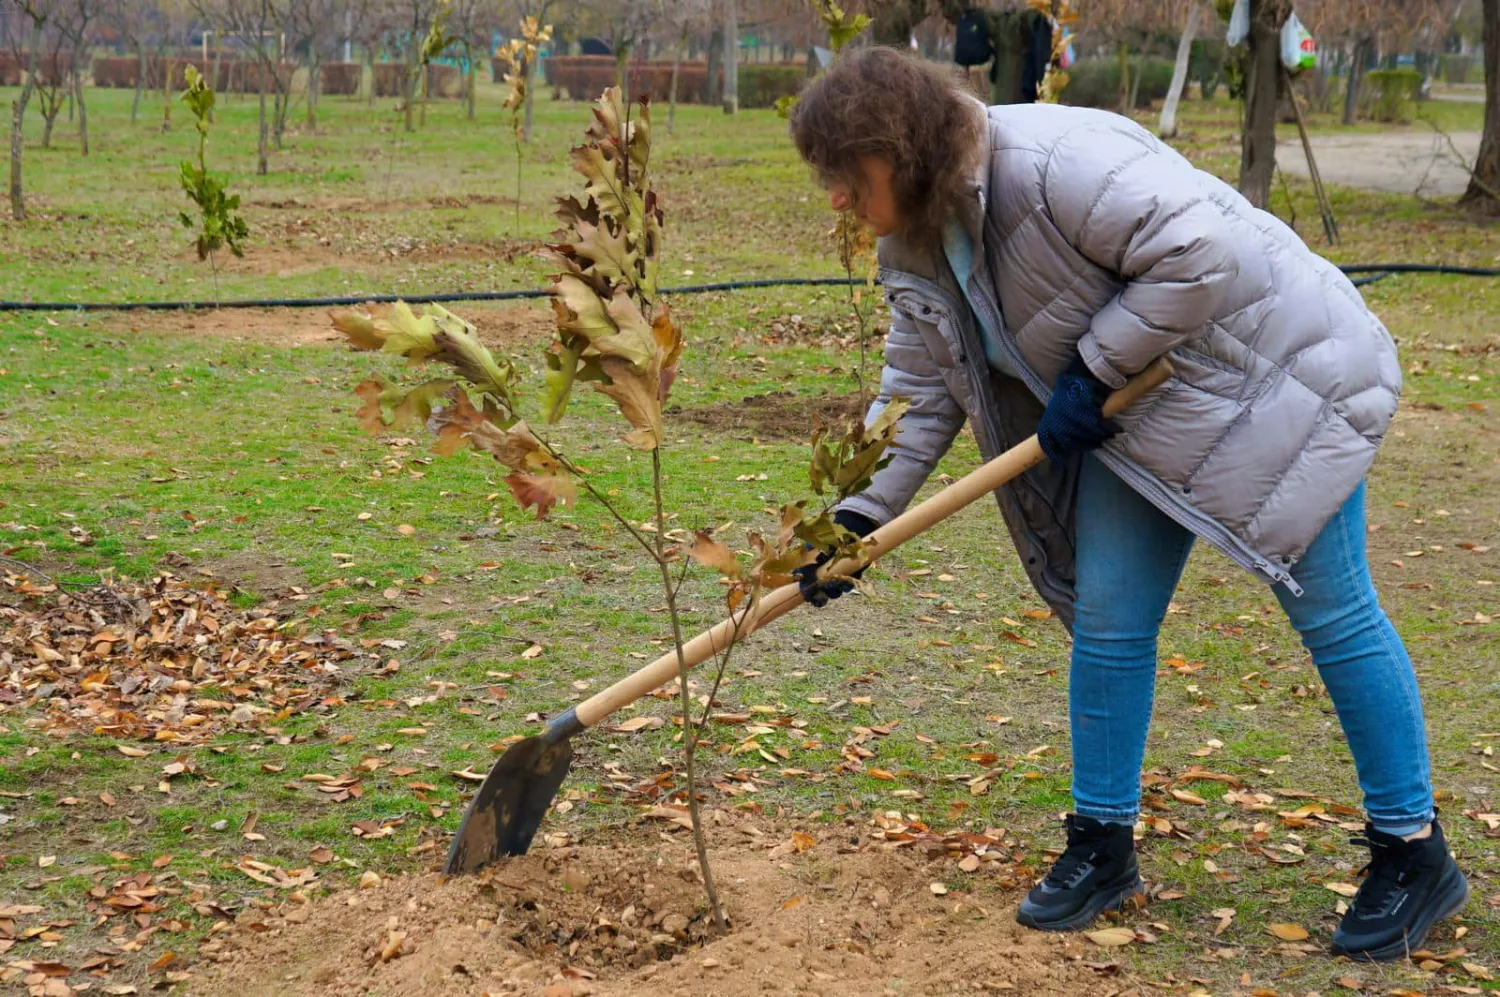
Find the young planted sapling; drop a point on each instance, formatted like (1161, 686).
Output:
(519, 56)
(219, 222)
(614, 333)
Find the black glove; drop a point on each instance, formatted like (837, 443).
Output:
(1074, 419)
(818, 592)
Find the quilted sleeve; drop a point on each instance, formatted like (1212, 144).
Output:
(926, 431)
(1134, 206)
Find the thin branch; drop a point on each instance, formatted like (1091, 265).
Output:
(1462, 159)
(734, 638)
(572, 469)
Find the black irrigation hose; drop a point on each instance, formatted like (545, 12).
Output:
(1374, 272)
(387, 299)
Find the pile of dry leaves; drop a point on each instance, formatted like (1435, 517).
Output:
(168, 661)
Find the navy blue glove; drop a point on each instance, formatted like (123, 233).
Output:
(1074, 419)
(818, 592)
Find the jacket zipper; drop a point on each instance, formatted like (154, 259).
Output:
(918, 286)
(1137, 477)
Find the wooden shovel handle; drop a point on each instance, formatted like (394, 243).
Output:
(776, 604)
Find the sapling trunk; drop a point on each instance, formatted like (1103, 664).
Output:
(689, 731)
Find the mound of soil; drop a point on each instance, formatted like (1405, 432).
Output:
(779, 415)
(629, 920)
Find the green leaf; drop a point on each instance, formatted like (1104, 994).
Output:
(557, 382)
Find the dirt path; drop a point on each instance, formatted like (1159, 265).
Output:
(1417, 160)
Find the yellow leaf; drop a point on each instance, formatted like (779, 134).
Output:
(1111, 937)
(130, 752)
(534, 651)
(1289, 932)
(1184, 796)
(1342, 889)
(802, 841)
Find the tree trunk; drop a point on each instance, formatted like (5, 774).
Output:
(140, 81)
(280, 104)
(732, 58)
(426, 92)
(370, 62)
(676, 75)
(314, 91)
(471, 78)
(1484, 185)
(1135, 83)
(1258, 136)
(893, 22)
(1356, 76)
(412, 75)
(1123, 54)
(262, 166)
(1168, 126)
(17, 200)
(83, 111)
(715, 86)
(49, 118)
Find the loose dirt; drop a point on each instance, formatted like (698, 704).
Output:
(296, 327)
(779, 415)
(628, 919)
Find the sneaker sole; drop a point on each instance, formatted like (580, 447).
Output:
(1401, 947)
(1101, 902)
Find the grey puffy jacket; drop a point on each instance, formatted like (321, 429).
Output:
(1098, 239)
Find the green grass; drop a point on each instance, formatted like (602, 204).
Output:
(226, 443)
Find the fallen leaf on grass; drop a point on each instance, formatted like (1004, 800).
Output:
(321, 855)
(46, 860)
(1477, 971)
(672, 815)
(468, 774)
(534, 651)
(1342, 889)
(635, 724)
(938, 889)
(406, 529)
(802, 841)
(130, 752)
(1183, 796)
(1111, 937)
(1289, 932)
(162, 962)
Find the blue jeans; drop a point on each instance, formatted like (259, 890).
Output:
(1130, 557)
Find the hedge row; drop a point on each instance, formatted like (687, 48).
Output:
(583, 77)
(442, 81)
(52, 69)
(1096, 82)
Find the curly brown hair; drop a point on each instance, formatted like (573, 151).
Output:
(883, 103)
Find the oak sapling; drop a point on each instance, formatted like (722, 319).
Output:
(219, 222)
(614, 333)
(519, 56)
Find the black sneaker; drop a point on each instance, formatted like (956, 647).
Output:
(1096, 873)
(1410, 886)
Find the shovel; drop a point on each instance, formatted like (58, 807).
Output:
(508, 808)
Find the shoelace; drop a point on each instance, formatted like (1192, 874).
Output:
(1387, 875)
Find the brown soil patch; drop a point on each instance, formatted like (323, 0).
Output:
(294, 327)
(628, 920)
(366, 205)
(779, 415)
(270, 260)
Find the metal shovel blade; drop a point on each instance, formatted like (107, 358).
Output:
(504, 815)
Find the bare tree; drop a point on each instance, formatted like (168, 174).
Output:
(680, 18)
(472, 21)
(132, 20)
(23, 39)
(75, 20)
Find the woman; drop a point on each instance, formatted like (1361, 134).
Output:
(1036, 256)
